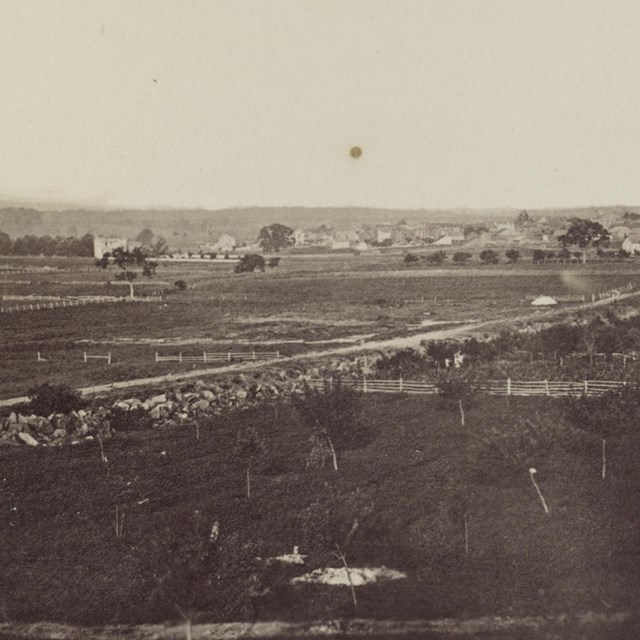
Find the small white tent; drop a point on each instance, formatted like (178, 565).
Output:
(544, 301)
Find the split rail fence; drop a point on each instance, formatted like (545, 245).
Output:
(79, 302)
(229, 356)
(506, 387)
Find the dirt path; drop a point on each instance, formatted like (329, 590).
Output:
(402, 342)
(592, 625)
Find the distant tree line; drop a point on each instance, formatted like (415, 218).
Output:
(30, 245)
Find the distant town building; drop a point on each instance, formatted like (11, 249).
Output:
(103, 245)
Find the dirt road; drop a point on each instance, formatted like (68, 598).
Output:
(413, 340)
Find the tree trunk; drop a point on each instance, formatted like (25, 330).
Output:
(188, 629)
(604, 458)
(466, 534)
(130, 290)
(333, 455)
(584, 256)
(461, 413)
(346, 568)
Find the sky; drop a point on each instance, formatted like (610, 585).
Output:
(216, 104)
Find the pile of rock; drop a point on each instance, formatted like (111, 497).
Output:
(56, 429)
(177, 405)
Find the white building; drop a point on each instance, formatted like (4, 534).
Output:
(107, 245)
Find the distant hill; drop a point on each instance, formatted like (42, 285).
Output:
(186, 227)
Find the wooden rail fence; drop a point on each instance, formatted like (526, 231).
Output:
(79, 302)
(506, 387)
(229, 356)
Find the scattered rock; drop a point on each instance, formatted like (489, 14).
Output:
(27, 439)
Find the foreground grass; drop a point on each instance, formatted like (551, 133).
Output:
(63, 562)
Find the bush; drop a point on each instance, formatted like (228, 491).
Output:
(180, 285)
(461, 257)
(436, 258)
(249, 263)
(512, 255)
(538, 256)
(489, 256)
(47, 399)
(406, 363)
(135, 419)
(411, 258)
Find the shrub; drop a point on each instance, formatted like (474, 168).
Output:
(406, 363)
(461, 257)
(512, 255)
(333, 416)
(135, 419)
(538, 256)
(411, 258)
(489, 256)
(46, 399)
(436, 258)
(180, 285)
(249, 263)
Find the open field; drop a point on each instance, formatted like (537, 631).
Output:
(63, 561)
(307, 301)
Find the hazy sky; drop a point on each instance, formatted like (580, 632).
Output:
(479, 103)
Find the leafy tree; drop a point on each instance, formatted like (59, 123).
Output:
(584, 233)
(333, 416)
(184, 562)
(46, 399)
(489, 256)
(129, 262)
(5, 244)
(461, 257)
(249, 263)
(522, 220)
(145, 237)
(249, 449)
(159, 247)
(275, 237)
(273, 263)
(512, 255)
(605, 417)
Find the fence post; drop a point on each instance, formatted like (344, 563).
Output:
(254, 354)
(277, 354)
(180, 357)
(364, 385)
(204, 356)
(508, 386)
(401, 383)
(156, 356)
(586, 388)
(109, 358)
(229, 356)
(546, 384)
(85, 356)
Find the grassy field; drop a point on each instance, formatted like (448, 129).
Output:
(62, 560)
(306, 300)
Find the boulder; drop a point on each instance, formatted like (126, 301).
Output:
(201, 405)
(152, 402)
(207, 394)
(27, 439)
